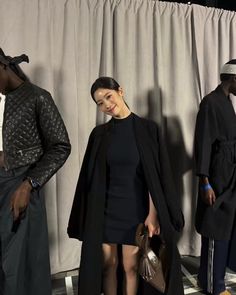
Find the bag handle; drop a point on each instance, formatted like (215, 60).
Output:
(142, 237)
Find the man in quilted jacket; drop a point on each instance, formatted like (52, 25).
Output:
(34, 144)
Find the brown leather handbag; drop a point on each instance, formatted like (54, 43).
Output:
(152, 265)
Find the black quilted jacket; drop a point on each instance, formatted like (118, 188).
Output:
(34, 133)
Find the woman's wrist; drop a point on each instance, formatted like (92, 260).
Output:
(152, 212)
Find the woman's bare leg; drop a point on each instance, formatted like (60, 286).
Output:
(130, 256)
(110, 262)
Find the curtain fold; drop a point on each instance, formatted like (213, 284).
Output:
(166, 56)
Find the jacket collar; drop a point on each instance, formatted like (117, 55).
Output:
(20, 91)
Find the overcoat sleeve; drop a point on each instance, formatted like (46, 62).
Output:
(167, 181)
(79, 207)
(205, 135)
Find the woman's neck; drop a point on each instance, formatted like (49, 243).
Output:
(124, 113)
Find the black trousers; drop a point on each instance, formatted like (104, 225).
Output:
(1, 273)
(24, 255)
(213, 261)
(232, 251)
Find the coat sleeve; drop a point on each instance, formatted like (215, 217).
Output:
(205, 135)
(79, 207)
(55, 140)
(167, 182)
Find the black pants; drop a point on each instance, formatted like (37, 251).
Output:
(214, 254)
(24, 257)
(1, 273)
(232, 251)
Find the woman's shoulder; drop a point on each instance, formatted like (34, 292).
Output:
(146, 122)
(99, 129)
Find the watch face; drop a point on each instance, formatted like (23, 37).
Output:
(33, 183)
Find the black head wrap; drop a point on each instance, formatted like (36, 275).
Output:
(13, 63)
(8, 60)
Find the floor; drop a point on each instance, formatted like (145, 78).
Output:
(66, 283)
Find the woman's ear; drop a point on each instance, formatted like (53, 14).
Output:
(121, 91)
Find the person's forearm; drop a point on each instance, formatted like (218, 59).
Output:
(152, 209)
(204, 179)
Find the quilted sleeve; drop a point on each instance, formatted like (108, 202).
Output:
(54, 136)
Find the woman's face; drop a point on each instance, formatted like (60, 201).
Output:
(110, 102)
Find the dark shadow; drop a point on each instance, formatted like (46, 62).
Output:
(100, 117)
(194, 190)
(57, 77)
(180, 160)
(37, 76)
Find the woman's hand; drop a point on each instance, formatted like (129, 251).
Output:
(153, 225)
(152, 221)
(20, 199)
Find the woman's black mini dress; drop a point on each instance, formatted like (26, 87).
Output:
(127, 199)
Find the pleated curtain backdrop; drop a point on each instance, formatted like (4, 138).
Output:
(166, 56)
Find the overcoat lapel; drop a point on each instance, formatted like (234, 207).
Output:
(149, 152)
(145, 146)
(148, 149)
(91, 258)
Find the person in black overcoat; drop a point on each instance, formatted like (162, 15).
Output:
(215, 153)
(124, 180)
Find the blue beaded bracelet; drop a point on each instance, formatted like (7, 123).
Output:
(206, 187)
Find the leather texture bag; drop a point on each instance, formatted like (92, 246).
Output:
(152, 265)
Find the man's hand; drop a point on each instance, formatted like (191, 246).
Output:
(20, 199)
(208, 196)
(207, 193)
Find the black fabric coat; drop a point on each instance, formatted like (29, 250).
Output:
(86, 219)
(215, 153)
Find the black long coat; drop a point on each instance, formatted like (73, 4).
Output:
(215, 153)
(86, 219)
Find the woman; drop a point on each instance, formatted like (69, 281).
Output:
(120, 185)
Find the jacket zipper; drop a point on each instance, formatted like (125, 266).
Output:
(21, 152)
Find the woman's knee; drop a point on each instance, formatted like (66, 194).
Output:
(110, 259)
(130, 259)
(110, 264)
(130, 268)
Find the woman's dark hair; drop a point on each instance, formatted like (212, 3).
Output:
(13, 64)
(226, 77)
(104, 82)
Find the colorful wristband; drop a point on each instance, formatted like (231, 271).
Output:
(206, 187)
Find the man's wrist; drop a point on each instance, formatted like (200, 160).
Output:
(27, 185)
(206, 187)
(34, 184)
(204, 180)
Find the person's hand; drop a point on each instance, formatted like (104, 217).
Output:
(152, 224)
(208, 196)
(20, 199)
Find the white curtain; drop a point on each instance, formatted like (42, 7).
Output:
(166, 56)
